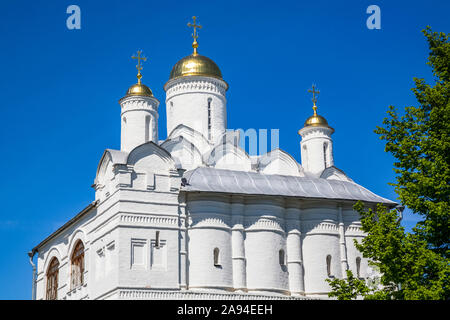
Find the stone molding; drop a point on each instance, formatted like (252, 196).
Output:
(353, 230)
(195, 84)
(209, 222)
(313, 132)
(154, 220)
(140, 105)
(148, 294)
(316, 227)
(139, 101)
(264, 223)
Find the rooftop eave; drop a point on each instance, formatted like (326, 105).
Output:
(81, 214)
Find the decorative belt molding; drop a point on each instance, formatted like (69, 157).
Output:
(148, 294)
(353, 230)
(319, 227)
(145, 219)
(197, 222)
(195, 85)
(256, 223)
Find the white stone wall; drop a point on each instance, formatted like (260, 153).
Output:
(314, 159)
(320, 238)
(139, 121)
(265, 237)
(353, 232)
(120, 240)
(208, 229)
(144, 234)
(62, 247)
(187, 100)
(307, 232)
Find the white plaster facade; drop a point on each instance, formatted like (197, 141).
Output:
(195, 217)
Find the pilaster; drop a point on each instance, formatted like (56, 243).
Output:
(237, 239)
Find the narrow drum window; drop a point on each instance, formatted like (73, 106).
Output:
(305, 157)
(325, 155)
(147, 128)
(282, 257)
(358, 267)
(52, 280)
(209, 118)
(77, 265)
(329, 266)
(216, 257)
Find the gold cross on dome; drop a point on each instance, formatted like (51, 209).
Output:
(194, 35)
(314, 92)
(314, 99)
(138, 66)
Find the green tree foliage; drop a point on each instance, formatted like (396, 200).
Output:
(349, 288)
(420, 141)
(408, 268)
(412, 265)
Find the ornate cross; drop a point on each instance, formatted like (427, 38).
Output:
(139, 67)
(194, 35)
(314, 92)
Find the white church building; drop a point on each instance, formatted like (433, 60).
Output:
(196, 217)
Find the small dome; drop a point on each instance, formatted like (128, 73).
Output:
(316, 120)
(195, 65)
(139, 89)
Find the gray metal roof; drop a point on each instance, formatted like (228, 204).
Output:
(240, 182)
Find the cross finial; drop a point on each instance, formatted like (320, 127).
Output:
(138, 66)
(194, 35)
(314, 99)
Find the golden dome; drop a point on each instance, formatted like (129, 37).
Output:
(195, 65)
(139, 89)
(316, 121)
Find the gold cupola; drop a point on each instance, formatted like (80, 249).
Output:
(195, 64)
(139, 89)
(316, 120)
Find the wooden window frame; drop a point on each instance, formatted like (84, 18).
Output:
(52, 280)
(77, 265)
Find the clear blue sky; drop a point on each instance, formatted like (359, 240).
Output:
(60, 87)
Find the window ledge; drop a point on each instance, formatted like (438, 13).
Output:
(77, 288)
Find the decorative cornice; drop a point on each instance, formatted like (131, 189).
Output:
(264, 223)
(315, 131)
(208, 222)
(312, 227)
(148, 220)
(354, 230)
(138, 99)
(197, 84)
(148, 294)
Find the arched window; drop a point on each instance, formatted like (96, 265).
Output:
(77, 265)
(358, 267)
(329, 265)
(282, 257)
(52, 280)
(216, 257)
